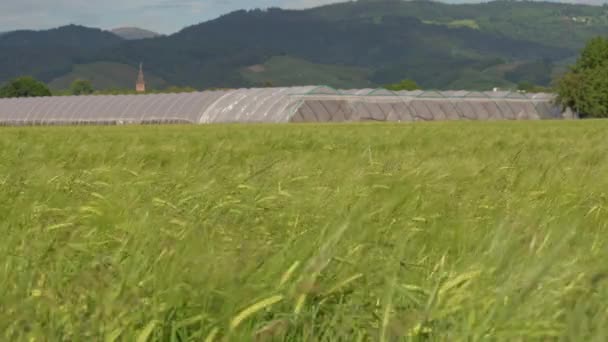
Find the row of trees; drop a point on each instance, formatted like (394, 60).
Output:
(408, 84)
(30, 87)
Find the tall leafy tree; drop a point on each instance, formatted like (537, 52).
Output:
(584, 87)
(24, 87)
(81, 87)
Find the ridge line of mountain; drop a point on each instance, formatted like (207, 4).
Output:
(480, 46)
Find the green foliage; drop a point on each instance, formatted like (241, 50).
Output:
(61, 92)
(24, 87)
(406, 84)
(125, 91)
(288, 71)
(116, 91)
(168, 90)
(584, 87)
(534, 72)
(458, 43)
(48, 54)
(352, 42)
(107, 75)
(468, 23)
(461, 231)
(174, 89)
(344, 45)
(547, 23)
(532, 88)
(81, 87)
(593, 56)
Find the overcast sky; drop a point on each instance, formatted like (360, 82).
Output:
(165, 16)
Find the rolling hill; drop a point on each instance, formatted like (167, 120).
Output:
(134, 33)
(390, 49)
(279, 72)
(564, 25)
(351, 44)
(71, 36)
(106, 75)
(48, 54)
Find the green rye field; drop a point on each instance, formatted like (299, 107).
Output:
(460, 231)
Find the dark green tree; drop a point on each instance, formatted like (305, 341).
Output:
(403, 85)
(584, 88)
(24, 87)
(81, 87)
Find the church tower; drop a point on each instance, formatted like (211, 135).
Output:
(140, 86)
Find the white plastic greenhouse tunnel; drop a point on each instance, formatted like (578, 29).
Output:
(280, 105)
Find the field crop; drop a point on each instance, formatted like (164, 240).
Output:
(381, 232)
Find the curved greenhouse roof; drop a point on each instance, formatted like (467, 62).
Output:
(295, 104)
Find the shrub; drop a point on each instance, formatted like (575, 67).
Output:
(24, 87)
(81, 87)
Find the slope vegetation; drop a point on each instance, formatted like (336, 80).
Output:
(436, 44)
(391, 49)
(105, 75)
(50, 53)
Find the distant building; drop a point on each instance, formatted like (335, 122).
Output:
(140, 86)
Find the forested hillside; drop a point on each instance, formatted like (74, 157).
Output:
(50, 53)
(474, 46)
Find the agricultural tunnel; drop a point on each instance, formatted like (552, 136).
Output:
(280, 105)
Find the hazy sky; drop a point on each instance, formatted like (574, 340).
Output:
(165, 16)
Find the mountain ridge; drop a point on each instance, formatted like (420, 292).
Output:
(438, 45)
(134, 33)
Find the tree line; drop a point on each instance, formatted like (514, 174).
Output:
(28, 86)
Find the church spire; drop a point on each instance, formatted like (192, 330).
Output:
(140, 86)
